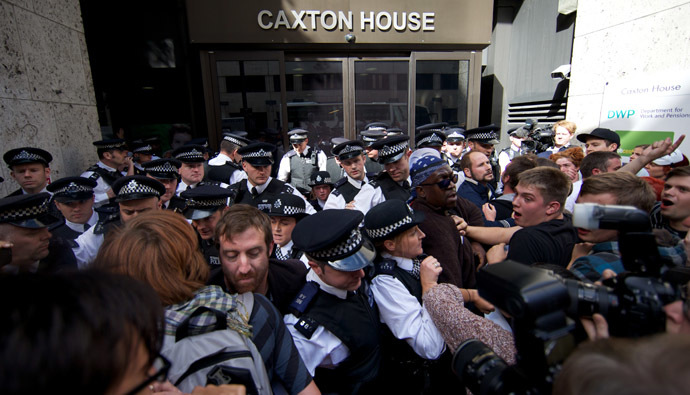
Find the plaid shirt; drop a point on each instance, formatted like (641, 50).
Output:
(606, 255)
(213, 297)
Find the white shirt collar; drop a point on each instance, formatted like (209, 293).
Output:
(259, 188)
(80, 227)
(341, 293)
(403, 263)
(287, 248)
(103, 165)
(356, 183)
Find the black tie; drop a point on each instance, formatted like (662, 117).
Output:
(86, 226)
(406, 184)
(254, 192)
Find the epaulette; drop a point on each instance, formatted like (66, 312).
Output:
(374, 182)
(290, 153)
(385, 266)
(101, 226)
(289, 188)
(340, 182)
(94, 175)
(336, 192)
(305, 325)
(372, 175)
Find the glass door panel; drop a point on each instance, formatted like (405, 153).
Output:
(442, 91)
(381, 93)
(249, 96)
(314, 90)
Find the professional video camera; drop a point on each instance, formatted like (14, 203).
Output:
(538, 139)
(543, 306)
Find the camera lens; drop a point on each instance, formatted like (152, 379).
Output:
(479, 368)
(587, 299)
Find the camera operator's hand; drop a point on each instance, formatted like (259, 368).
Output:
(497, 253)
(429, 270)
(482, 304)
(460, 224)
(489, 212)
(596, 327)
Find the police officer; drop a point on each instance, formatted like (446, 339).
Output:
(204, 207)
(332, 166)
(113, 163)
(134, 195)
(301, 161)
(166, 171)
(30, 167)
(225, 167)
(26, 244)
(394, 182)
(257, 160)
(352, 158)
(74, 197)
(369, 137)
(321, 188)
(333, 322)
(411, 340)
(483, 139)
(432, 136)
(141, 153)
(455, 147)
(285, 211)
(192, 171)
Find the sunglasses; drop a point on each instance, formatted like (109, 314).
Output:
(444, 183)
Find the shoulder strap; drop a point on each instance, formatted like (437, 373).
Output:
(245, 304)
(182, 330)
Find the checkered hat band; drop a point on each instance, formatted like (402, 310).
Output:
(393, 149)
(483, 136)
(164, 168)
(350, 148)
(143, 149)
(25, 213)
(291, 210)
(111, 146)
(430, 139)
(193, 154)
(257, 154)
(386, 230)
(351, 244)
(234, 141)
(134, 187)
(192, 203)
(24, 155)
(73, 187)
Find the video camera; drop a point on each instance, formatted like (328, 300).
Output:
(537, 139)
(543, 306)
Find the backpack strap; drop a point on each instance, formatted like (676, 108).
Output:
(182, 330)
(245, 304)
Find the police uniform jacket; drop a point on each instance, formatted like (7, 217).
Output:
(337, 335)
(380, 189)
(104, 176)
(271, 187)
(89, 242)
(344, 192)
(297, 168)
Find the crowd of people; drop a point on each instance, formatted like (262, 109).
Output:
(349, 273)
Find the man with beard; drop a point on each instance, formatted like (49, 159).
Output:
(483, 139)
(204, 206)
(477, 187)
(245, 244)
(25, 241)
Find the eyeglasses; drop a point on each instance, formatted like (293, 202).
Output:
(444, 183)
(162, 366)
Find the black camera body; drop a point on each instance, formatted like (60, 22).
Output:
(543, 306)
(537, 138)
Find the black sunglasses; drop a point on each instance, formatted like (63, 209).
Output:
(444, 183)
(162, 366)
